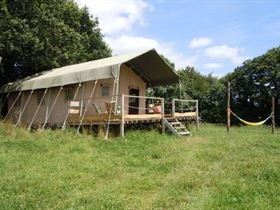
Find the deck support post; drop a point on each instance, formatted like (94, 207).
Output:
(25, 105)
(39, 105)
(122, 117)
(50, 111)
(162, 116)
(12, 106)
(86, 107)
(67, 114)
(197, 116)
(273, 115)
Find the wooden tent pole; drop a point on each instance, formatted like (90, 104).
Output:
(3, 101)
(86, 107)
(162, 116)
(67, 114)
(197, 116)
(82, 100)
(228, 107)
(12, 106)
(50, 111)
(173, 107)
(110, 113)
(20, 110)
(38, 107)
(47, 106)
(25, 105)
(273, 115)
(122, 117)
(117, 87)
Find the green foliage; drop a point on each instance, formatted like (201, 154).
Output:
(145, 170)
(253, 85)
(38, 35)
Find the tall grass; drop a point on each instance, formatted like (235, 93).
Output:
(145, 170)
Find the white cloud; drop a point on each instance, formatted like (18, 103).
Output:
(213, 65)
(225, 52)
(126, 43)
(117, 20)
(117, 16)
(199, 42)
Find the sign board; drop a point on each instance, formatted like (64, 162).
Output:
(73, 111)
(74, 103)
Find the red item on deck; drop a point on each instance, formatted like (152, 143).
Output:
(157, 109)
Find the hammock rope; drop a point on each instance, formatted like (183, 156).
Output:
(251, 123)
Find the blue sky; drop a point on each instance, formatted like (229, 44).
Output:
(213, 36)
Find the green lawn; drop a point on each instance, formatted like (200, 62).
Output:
(145, 170)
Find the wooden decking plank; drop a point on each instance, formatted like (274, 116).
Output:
(129, 119)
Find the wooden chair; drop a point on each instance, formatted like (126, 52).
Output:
(110, 107)
(97, 109)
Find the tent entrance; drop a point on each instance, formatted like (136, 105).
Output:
(133, 102)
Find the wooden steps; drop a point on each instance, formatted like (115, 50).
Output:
(176, 127)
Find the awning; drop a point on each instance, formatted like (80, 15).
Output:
(148, 64)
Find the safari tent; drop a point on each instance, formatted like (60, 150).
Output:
(105, 91)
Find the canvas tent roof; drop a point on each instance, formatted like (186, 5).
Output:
(148, 64)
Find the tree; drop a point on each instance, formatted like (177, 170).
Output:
(210, 92)
(253, 85)
(38, 35)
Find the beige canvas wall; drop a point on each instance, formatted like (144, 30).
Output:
(128, 79)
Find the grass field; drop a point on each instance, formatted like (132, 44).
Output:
(145, 170)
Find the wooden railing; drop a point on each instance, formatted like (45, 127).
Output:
(186, 106)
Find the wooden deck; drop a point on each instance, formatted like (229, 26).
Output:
(129, 119)
(185, 114)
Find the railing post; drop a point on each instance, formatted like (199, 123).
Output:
(173, 107)
(162, 115)
(122, 117)
(197, 117)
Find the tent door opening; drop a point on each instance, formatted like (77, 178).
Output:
(133, 102)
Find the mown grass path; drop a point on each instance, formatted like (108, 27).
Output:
(146, 170)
